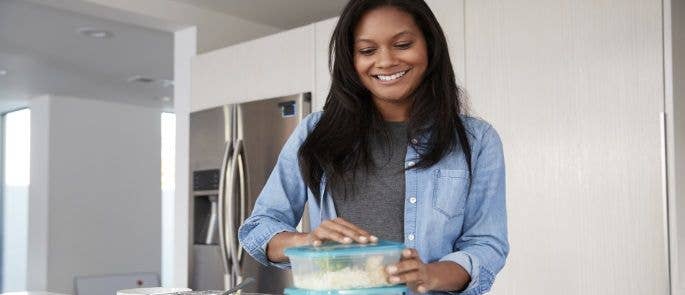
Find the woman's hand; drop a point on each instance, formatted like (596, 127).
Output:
(412, 271)
(341, 231)
(338, 230)
(423, 277)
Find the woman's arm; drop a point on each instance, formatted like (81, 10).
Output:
(284, 240)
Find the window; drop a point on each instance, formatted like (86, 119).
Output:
(15, 193)
(168, 191)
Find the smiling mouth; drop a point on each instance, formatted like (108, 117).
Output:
(391, 77)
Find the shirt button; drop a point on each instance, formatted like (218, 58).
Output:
(412, 200)
(414, 141)
(410, 237)
(411, 164)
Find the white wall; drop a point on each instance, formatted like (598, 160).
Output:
(37, 263)
(102, 190)
(15, 200)
(184, 49)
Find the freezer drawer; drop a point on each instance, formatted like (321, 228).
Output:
(207, 271)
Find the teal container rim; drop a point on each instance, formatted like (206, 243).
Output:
(333, 249)
(366, 291)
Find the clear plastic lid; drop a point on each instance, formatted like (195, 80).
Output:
(335, 249)
(399, 289)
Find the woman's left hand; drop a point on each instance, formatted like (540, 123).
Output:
(423, 277)
(412, 271)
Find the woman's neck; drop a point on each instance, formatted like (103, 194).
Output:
(393, 111)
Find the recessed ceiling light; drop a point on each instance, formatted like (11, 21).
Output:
(3, 72)
(141, 79)
(95, 33)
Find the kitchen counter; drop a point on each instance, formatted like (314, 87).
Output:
(32, 293)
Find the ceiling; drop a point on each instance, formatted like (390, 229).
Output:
(284, 14)
(43, 54)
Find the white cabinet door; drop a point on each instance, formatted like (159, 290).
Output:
(450, 15)
(575, 89)
(324, 30)
(276, 65)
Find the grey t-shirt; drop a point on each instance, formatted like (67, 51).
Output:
(374, 199)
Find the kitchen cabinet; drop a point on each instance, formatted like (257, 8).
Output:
(324, 31)
(450, 14)
(576, 91)
(276, 65)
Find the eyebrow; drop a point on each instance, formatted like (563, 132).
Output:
(406, 32)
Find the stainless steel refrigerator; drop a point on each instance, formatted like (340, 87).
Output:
(233, 150)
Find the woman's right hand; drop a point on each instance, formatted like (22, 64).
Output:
(338, 230)
(341, 231)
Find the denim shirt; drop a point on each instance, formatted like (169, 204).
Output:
(443, 219)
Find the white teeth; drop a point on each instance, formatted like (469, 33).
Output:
(391, 77)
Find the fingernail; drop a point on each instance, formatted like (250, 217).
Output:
(406, 252)
(363, 239)
(392, 269)
(374, 239)
(395, 279)
(421, 289)
(347, 240)
(316, 243)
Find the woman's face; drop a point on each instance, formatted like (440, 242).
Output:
(390, 56)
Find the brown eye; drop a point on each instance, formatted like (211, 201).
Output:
(403, 45)
(367, 51)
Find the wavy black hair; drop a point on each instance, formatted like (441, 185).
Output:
(339, 143)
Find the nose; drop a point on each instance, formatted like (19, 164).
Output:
(386, 59)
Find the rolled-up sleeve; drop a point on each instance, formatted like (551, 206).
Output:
(483, 247)
(280, 204)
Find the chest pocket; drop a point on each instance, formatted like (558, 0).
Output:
(449, 191)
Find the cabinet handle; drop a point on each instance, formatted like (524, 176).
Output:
(666, 202)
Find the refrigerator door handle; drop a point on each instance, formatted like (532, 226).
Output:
(232, 239)
(222, 212)
(244, 193)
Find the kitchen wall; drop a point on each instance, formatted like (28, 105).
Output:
(95, 197)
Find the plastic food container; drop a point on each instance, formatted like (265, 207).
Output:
(393, 290)
(213, 292)
(151, 291)
(335, 266)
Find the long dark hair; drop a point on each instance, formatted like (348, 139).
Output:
(340, 142)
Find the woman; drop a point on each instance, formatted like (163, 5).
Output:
(393, 157)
